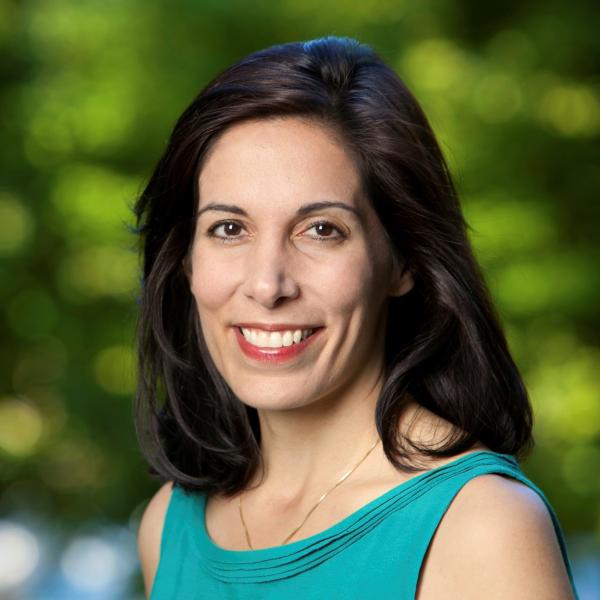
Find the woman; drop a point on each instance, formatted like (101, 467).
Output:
(325, 390)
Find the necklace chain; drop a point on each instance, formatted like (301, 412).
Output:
(343, 478)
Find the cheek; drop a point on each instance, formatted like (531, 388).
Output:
(211, 284)
(350, 282)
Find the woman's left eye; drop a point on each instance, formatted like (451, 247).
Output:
(324, 227)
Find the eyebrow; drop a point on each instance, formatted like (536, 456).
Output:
(303, 210)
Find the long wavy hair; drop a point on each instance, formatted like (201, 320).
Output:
(445, 346)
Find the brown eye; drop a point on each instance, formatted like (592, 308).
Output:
(230, 228)
(324, 230)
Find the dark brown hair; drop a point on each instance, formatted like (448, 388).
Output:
(444, 342)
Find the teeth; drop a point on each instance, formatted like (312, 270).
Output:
(275, 339)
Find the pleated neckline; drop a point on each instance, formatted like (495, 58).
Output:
(274, 562)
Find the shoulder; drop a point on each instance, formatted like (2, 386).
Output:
(150, 533)
(497, 540)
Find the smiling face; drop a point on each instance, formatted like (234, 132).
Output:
(265, 259)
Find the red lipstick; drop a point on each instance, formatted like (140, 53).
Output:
(274, 355)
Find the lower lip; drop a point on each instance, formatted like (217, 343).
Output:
(274, 355)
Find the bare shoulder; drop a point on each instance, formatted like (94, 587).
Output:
(150, 533)
(496, 540)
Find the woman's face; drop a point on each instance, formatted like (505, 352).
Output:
(262, 259)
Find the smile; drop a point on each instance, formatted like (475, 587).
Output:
(275, 339)
(275, 346)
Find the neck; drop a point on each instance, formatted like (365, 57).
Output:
(307, 450)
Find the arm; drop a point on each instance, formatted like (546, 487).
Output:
(150, 534)
(496, 541)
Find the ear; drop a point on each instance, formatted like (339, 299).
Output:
(185, 266)
(402, 279)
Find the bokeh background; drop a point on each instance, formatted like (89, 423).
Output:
(89, 92)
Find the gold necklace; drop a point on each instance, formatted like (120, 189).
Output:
(313, 508)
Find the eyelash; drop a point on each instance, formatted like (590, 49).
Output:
(229, 239)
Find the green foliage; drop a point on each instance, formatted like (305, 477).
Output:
(89, 93)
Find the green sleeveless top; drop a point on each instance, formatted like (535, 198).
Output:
(376, 552)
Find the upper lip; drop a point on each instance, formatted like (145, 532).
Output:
(277, 326)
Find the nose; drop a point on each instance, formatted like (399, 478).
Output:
(268, 277)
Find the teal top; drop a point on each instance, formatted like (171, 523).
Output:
(376, 552)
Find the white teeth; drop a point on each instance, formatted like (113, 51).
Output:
(275, 339)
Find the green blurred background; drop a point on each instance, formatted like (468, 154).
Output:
(89, 93)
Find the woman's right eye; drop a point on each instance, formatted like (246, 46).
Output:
(229, 228)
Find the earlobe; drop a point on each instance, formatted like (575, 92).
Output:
(402, 280)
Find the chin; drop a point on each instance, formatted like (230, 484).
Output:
(273, 401)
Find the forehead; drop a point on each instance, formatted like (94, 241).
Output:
(287, 161)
